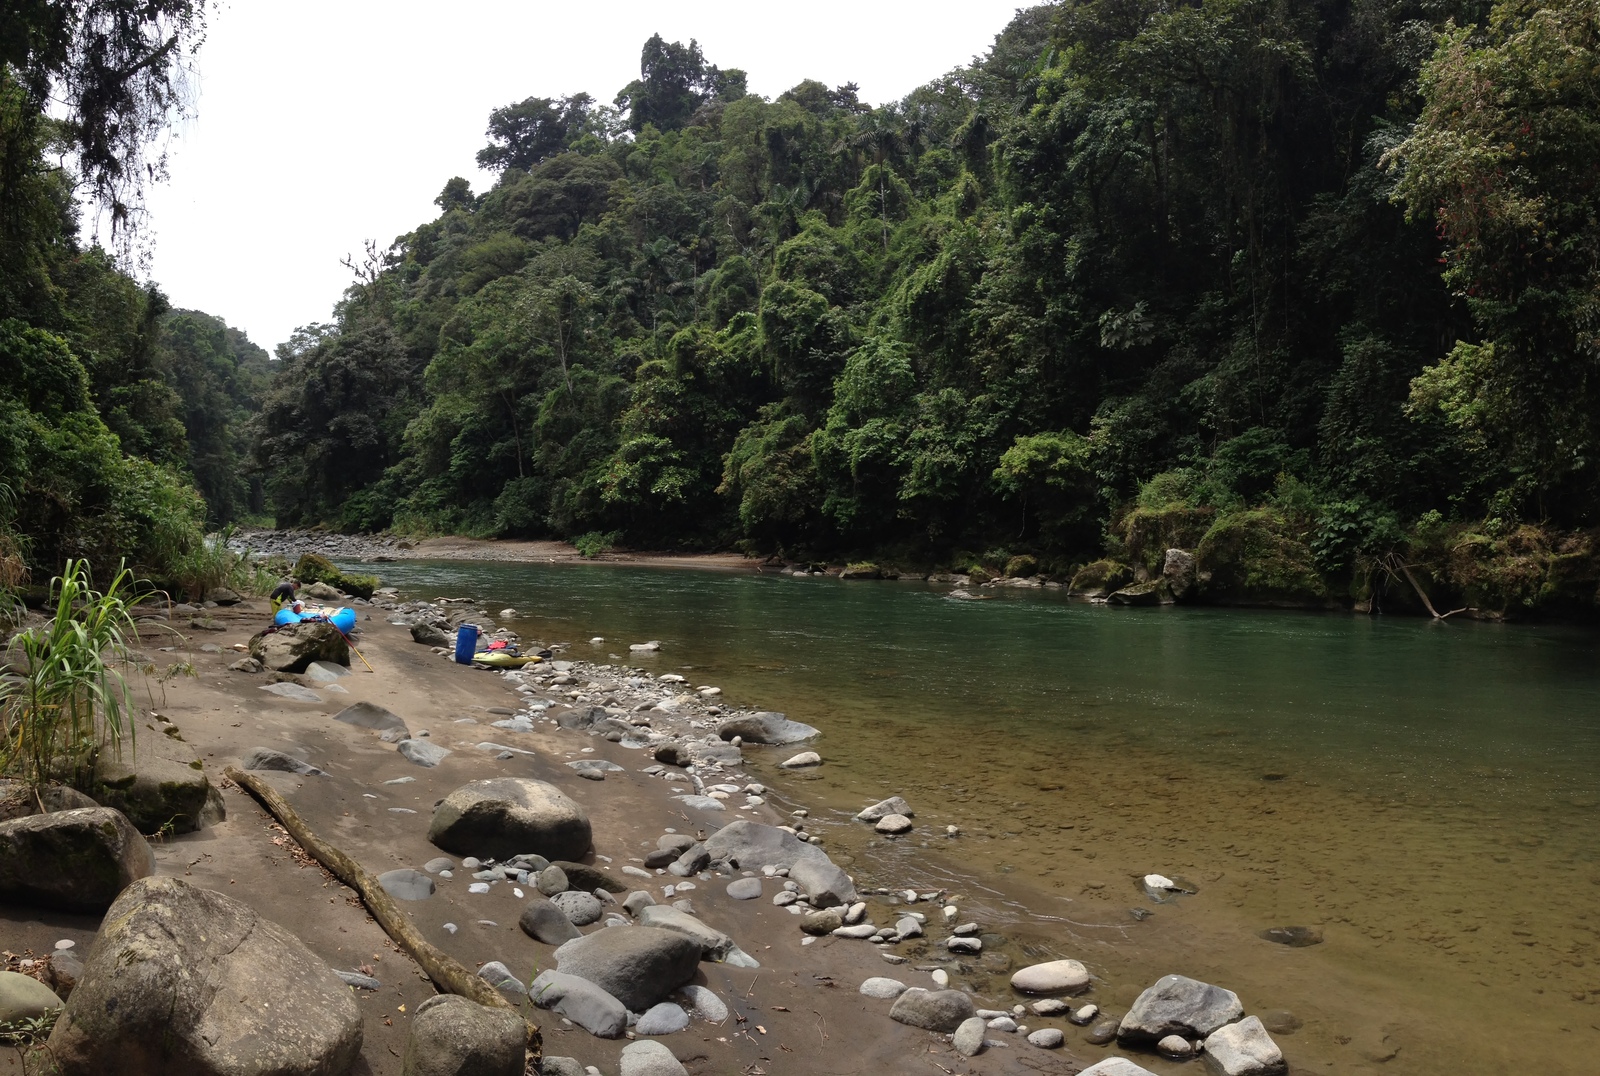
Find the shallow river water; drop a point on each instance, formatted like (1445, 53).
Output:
(1426, 795)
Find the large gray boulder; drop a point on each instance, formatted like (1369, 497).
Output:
(584, 1003)
(1244, 1049)
(713, 943)
(765, 727)
(638, 966)
(1179, 1005)
(503, 816)
(157, 793)
(294, 646)
(1178, 572)
(182, 979)
(431, 635)
(453, 1036)
(932, 1010)
(751, 846)
(823, 881)
(73, 861)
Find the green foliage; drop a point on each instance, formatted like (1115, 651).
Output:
(315, 568)
(1138, 276)
(594, 543)
(71, 702)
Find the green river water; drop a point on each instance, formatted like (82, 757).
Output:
(1424, 794)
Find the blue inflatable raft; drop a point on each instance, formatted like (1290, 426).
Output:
(343, 618)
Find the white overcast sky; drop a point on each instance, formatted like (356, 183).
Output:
(320, 125)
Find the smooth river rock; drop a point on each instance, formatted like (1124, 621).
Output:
(932, 1010)
(1116, 1066)
(750, 846)
(24, 998)
(1055, 976)
(583, 1002)
(801, 761)
(713, 943)
(880, 987)
(543, 921)
(648, 1057)
(639, 966)
(968, 1037)
(503, 816)
(823, 882)
(884, 808)
(893, 824)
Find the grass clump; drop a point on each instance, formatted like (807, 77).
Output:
(72, 700)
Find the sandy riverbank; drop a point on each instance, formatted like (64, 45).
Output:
(799, 1012)
(379, 548)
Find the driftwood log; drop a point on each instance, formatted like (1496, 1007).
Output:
(447, 973)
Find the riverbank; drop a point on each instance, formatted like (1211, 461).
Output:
(799, 1011)
(378, 549)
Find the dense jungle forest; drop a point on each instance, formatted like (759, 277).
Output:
(1306, 288)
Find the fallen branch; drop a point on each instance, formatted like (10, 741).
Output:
(448, 975)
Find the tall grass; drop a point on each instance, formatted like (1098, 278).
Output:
(215, 563)
(72, 701)
(13, 562)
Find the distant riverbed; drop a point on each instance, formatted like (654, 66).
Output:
(1424, 794)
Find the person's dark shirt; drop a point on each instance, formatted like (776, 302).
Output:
(283, 592)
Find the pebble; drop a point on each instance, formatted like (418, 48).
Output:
(892, 958)
(450, 928)
(785, 898)
(1049, 1007)
(964, 930)
(705, 1004)
(1002, 1023)
(908, 927)
(963, 945)
(863, 930)
(1103, 1032)
(662, 1019)
(968, 1038)
(941, 978)
(1047, 1038)
(478, 887)
(1050, 977)
(856, 912)
(892, 823)
(800, 761)
(1085, 1015)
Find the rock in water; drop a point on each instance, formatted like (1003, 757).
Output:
(1116, 1066)
(24, 998)
(1244, 1049)
(1047, 1038)
(77, 861)
(543, 921)
(294, 646)
(893, 824)
(1052, 977)
(823, 881)
(639, 966)
(506, 815)
(802, 760)
(878, 811)
(452, 1036)
(932, 1010)
(182, 979)
(1178, 1005)
(1293, 937)
(713, 943)
(766, 728)
(968, 1038)
(581, 1001)
(265, 758)
(650, 1058)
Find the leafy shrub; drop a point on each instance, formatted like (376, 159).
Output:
(594, 543)
(1022, 566)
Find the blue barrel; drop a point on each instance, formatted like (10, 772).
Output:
(466, 643)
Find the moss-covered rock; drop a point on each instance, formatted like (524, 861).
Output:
(158, 794)
(1099, 579)
(1154, 592)
(864, 569)
(1149, 532)
(1022, 566)
(1256, 558)
(75, 861)
(314, 568)
(1528, 570)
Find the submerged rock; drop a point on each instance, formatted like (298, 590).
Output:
(765, 728)
(1244, 1049)
(1056, 976)
(882, 809)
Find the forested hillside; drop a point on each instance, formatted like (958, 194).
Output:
(122, 422)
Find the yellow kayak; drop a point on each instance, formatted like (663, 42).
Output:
(499, 659)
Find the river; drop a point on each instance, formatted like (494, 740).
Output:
(1425, 795)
